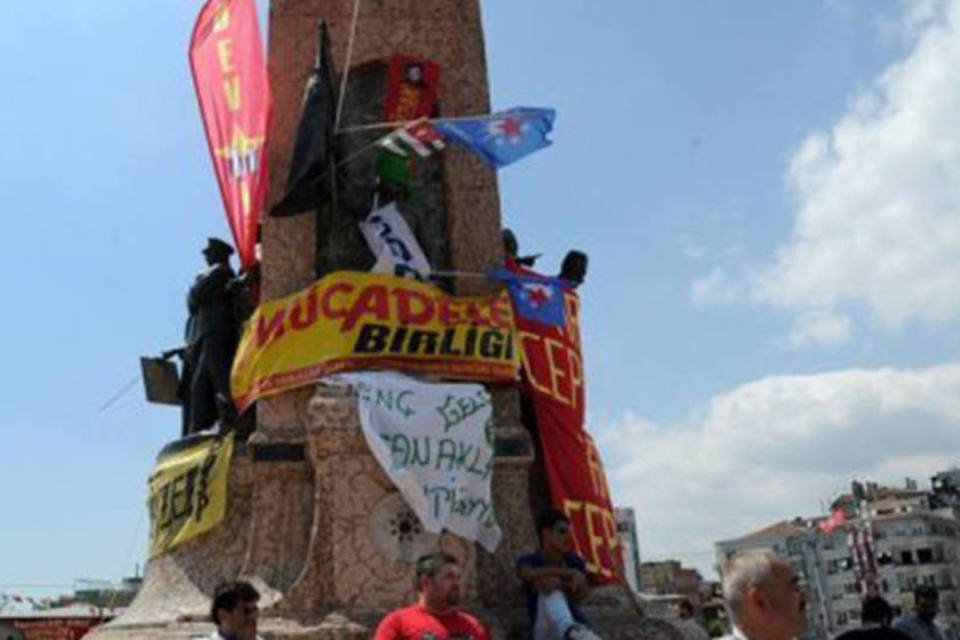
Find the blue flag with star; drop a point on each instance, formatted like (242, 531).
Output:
(503, 137)
(535, 298)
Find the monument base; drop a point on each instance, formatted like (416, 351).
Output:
(318, 528)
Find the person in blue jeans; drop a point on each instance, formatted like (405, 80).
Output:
(555, 580)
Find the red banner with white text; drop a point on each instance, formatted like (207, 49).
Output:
(553, 379)
(230, 77)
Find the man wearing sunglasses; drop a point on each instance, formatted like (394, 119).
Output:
(234, 611)
(555, 580)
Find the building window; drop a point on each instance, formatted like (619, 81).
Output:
(924, 556)
(906, 583)
(906, 557)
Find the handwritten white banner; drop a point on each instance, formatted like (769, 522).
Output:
(435, 441)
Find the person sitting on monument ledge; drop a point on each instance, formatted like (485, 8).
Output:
(555, 580)
(435, 615)
(511, 247)
(234, 611)
(574, 268)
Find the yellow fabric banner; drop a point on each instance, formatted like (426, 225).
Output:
(351, 320)
(188, 493)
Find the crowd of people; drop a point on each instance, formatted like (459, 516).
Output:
(554, 580)
(766, 601)
(764, 596)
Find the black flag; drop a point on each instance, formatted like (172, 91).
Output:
(313, 149)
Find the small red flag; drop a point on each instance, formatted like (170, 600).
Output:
(230, 77)
(411, 89)
(836, 518)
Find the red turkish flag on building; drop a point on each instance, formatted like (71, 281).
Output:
(230, 77)
(837, 517)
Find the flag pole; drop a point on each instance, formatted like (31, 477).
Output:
(396, 124)
(457, 274)
(346, 64)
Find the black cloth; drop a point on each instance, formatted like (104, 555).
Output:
(873, 633)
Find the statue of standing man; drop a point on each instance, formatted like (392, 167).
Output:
(211, 337)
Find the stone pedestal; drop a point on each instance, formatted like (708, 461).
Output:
(318, 527)
(311, 519)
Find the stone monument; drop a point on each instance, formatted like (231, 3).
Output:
(311, 518)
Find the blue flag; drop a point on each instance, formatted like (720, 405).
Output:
(535, 298)
(503, 137)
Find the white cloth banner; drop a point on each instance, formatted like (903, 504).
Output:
(435, 441)
(394, 245)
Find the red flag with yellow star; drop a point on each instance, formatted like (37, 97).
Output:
(230, 77)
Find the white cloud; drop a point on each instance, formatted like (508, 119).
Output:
(715, 287)
(820, 327)
(774, 448)
(917, 16)
(877, 219)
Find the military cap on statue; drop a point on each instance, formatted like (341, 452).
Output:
(216, 245)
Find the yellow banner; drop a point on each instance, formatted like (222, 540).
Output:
(188, 493)
(351, 320)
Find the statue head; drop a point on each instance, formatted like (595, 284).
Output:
(217, 251)
(574, 267)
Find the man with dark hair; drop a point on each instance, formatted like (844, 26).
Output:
(875, 618)
(435, 615)
(234, 611)
(687, 622)
(555, 579)
(920, 626)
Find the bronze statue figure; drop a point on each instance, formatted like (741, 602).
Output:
(211, 337)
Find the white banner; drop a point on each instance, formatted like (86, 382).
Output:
(394, 245)
(435, 441)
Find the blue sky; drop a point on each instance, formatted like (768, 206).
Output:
(766, 191)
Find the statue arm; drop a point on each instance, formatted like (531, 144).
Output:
(207, 283)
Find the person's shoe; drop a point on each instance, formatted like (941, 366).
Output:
(580, 632)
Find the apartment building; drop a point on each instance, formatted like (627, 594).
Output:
(669, 577)
(914, 542)
(627, 532)
(887, 539)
